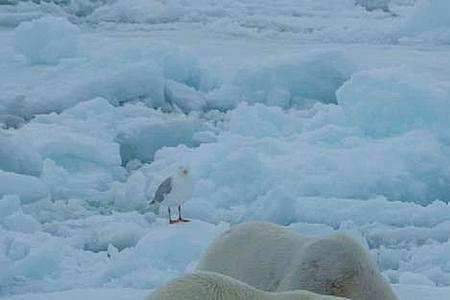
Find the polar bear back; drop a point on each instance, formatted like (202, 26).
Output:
(206, 286)
(213, 286)
(273, 258)
(256, 253)
(330, 265)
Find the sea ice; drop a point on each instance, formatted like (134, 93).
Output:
(46, 40)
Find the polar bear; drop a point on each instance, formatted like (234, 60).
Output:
(273, 258)
(214, 286)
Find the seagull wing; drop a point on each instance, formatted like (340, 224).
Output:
(163, 189)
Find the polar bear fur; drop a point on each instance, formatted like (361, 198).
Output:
(215, 286)
(273, 258)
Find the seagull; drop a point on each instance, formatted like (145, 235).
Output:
(174, 191)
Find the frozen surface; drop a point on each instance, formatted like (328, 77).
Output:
(392, 101)
(46, 40)
(111, 294)
(317, 115)
(428, 22)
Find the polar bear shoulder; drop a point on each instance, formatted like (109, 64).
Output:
(273, 258)
(257, 253)
(213, 286)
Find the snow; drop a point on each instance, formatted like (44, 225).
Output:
(392, 101)
(292, 82)
(14, 184)
(428, 21)
(112, 294)
(319, 115)
(374, 4)
(16, 157)
(46, 40)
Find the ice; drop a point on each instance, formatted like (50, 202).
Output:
(184, 97)
(5, 271)
(17, 157)
(323, 116)
(71, 159)
(28, 188)
(10, 121)
(331, 20)
(411, 234)
(155, 77)
(121, 231)
(139, 11)
(311, 228)
(111, 294)
(428, 21)
(143, 82)
(391, 101)
(252, 17)
(416, 279)
(9, 204)
(421, 292)
(12, 16)
(252, 126)
(142, 263)
(374, 4)
(141, 140)
(13, 218)
(294, 82)
(40, 262)
(21, 222)
(46, 40)
(163, 244)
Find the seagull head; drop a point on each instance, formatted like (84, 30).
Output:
(183, 171)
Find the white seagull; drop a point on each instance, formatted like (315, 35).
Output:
(174, 191)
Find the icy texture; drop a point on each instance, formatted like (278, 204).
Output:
(8, 205)
(160, 78)
(374, 4)
(111, 294)
(333, 178)
(172, 79)
(28, 188)
(65, 258)
(276, 122)
(385, 102)
(46, 40)
(141, 141)
(429, 21)
(140, 11)
(10, 121)
(373, 21)
(294, 82)
(18, 157)
(331, 20)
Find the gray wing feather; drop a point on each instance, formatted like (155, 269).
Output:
(163, 189)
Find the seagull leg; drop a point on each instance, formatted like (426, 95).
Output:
(170, 218)
(180, 219)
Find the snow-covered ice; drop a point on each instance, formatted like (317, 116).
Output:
(323, 116)
(46, 40)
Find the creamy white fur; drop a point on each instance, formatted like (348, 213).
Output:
(214, 286)
(273, 258)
